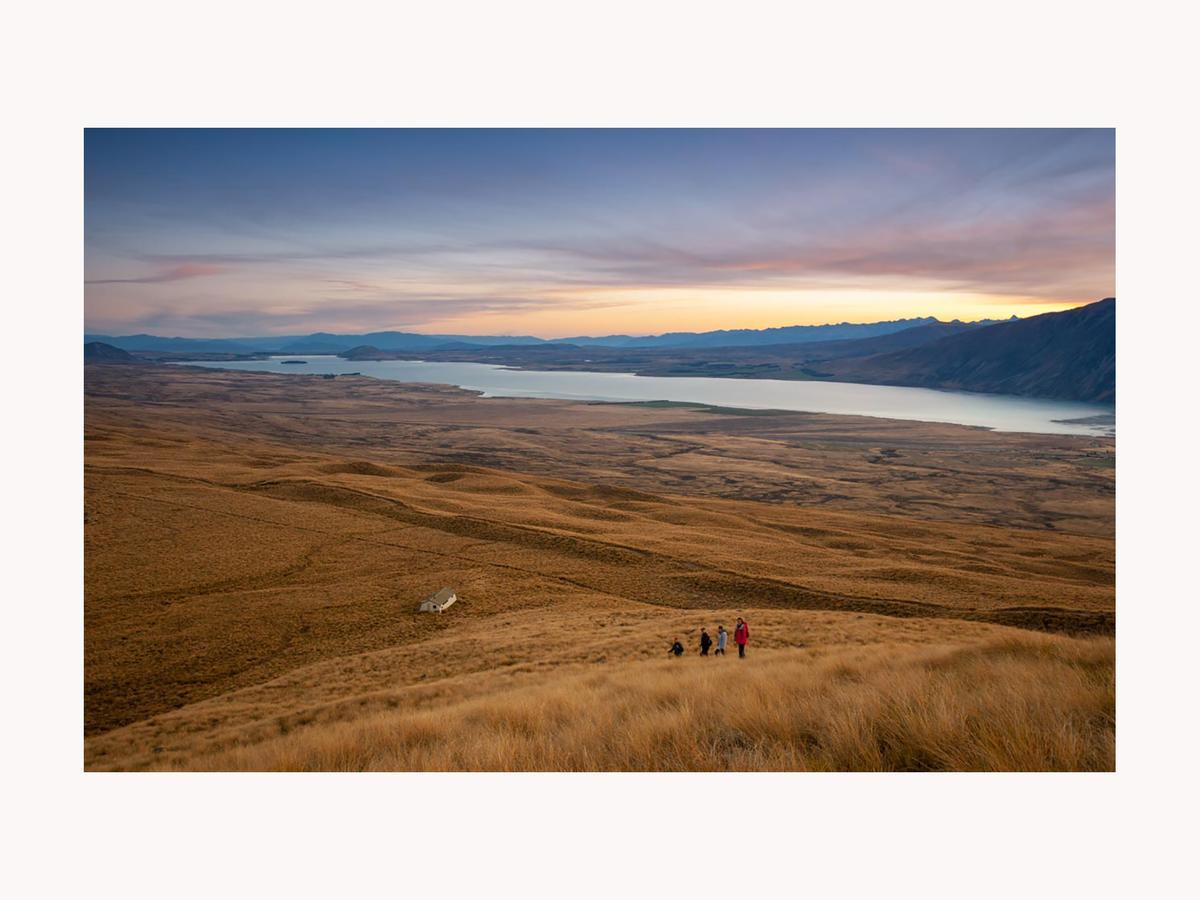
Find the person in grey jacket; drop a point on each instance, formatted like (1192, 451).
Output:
(722, 640)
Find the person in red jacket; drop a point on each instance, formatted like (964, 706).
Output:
(741, 635)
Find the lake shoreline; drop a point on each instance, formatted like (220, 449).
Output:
(997, 412)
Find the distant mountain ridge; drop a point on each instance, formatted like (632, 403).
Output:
(324, 342)
(292, 343)
(1069, 355)
(742, 337)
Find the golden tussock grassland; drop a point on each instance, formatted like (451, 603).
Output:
(921, 596)
(1018, 703)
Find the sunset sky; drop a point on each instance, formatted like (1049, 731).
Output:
(207, 233)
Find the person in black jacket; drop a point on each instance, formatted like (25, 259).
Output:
(676, 648)
(705, 642)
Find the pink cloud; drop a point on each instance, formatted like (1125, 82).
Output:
(181, 272)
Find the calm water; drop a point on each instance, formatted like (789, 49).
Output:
(1001, 412)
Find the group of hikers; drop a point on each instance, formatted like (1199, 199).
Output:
(741, 637)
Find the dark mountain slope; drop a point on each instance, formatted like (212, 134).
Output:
(886, 343)
(1068, 355)
(96, 351)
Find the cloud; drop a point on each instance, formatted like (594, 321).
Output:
(467, 238)
(1044, 254)
(374, 308)
(1060, 254)
(180, 272)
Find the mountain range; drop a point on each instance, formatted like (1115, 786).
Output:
(324, 342)
(1068, 355)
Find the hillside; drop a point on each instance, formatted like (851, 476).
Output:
(834, 694)
(97, 351)
(1066, 355)
(294, 524)
(886, 343)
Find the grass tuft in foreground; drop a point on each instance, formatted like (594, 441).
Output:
(1026, 702)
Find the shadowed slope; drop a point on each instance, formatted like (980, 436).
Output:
(1069, 355)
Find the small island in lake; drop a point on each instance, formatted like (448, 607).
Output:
(294, 362)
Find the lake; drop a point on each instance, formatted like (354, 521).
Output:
(998, 411)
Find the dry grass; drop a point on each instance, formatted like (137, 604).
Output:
(206, 573)
(919, 470)
(1025, 702)
(255, 547)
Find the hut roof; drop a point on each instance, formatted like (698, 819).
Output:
(441, 596)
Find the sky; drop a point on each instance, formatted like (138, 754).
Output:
(554, 233)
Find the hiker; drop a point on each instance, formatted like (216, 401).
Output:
(676, 648)
(722, 640)
(741, 635)
(705, 642)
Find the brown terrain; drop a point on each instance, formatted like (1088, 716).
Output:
(921, 596)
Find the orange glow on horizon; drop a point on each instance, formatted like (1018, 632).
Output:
(641, 311)
(436, 306)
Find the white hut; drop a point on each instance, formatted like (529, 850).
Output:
(439, 602)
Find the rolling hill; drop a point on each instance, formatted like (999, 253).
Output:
(921, 596)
